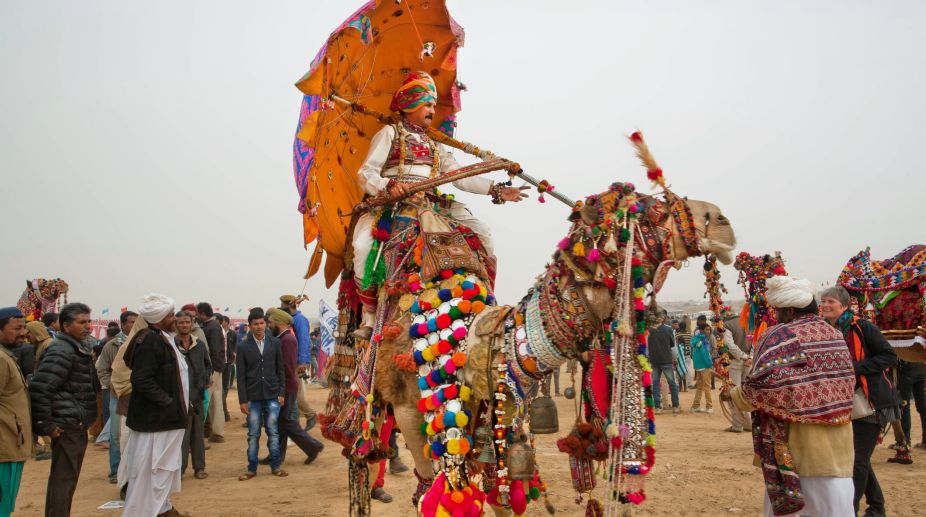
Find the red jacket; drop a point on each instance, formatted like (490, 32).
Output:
(290, 348)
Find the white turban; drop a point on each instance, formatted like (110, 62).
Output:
(156, 307)
(784, 291)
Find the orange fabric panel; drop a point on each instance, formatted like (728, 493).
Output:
(369, 73)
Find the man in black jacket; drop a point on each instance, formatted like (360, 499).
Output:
(228, 375)
(261, 391)
(197, 354)
(64, 404)
(158, 408)
(215, 338)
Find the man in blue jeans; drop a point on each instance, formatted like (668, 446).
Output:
(261, 391)
(662, 358)
(104, 370)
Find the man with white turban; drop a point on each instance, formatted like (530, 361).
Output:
(800, 392)
(157, 413)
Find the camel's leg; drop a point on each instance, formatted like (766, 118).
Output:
(409, 421)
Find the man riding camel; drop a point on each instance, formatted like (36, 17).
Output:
(401, 155)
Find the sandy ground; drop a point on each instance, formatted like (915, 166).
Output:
(700, 470)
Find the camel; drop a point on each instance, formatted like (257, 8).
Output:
(620, 241)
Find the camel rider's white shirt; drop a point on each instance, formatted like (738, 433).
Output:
(374, 176)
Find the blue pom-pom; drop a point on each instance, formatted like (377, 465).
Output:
(467, 285)
(415, 308)
(435, 376)
(419, 357)
(445, 295)
(437, 448)
(450, 419)
(413, 331)
(432, 325)
(422, 383)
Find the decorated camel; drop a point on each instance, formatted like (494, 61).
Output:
(422, 343)
(892, 293)
(459, 373)
(42, 295)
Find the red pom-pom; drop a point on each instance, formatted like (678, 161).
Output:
(444, 321)
(447, 273)
(610, 283)
(451, 392)
(444, 346)
(636, 137)
(654, 174)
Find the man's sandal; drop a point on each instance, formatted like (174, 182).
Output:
(246, 476)
(280, 473)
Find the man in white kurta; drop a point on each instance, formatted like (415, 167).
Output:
(151, 461)
(402, 154)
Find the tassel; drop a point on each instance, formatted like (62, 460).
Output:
(564, 244)
(610, 246)
(375, 268)
(594, 255)
(579, 249)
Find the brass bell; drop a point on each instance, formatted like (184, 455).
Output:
(544, 417)
(521, 460)
(484, 439)
(569, 393)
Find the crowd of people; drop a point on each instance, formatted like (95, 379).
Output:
(153, 391)
(824, 387)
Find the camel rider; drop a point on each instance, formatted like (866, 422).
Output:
(382, 173)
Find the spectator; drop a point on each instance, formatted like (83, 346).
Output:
(301, 328)
(64, 405)
(15, 428)
(104, 370)
(197, 354)
(50, 319)
(871, 355)
(215, 338)
(157, 414)
(261, 391)
(704, 367)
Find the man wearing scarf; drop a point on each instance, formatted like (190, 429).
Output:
(157, 413)
(800, 392)
(382, 173)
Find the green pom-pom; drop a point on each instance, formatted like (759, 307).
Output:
(534, 493)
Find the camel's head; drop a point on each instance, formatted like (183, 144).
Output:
(714, 231)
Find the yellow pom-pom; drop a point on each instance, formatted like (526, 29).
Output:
(462, 419)
(465, 392)
(453, 446)
(427, 354)
(579, 249)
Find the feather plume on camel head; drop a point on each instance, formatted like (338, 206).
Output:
(714, 230)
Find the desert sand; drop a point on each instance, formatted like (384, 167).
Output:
(700, 470)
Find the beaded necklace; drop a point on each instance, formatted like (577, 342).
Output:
(403, 133)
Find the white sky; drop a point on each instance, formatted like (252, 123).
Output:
(147, 145)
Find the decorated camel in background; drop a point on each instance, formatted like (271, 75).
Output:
(460, 374)
(892, 293)
(42, 295)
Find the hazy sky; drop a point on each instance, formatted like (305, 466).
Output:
(147, 145)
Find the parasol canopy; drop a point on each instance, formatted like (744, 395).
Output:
(364, 60)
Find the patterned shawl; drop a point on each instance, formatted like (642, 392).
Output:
(802, 374)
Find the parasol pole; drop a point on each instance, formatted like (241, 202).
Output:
(466, 147)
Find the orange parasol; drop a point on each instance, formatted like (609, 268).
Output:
(364, 61)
